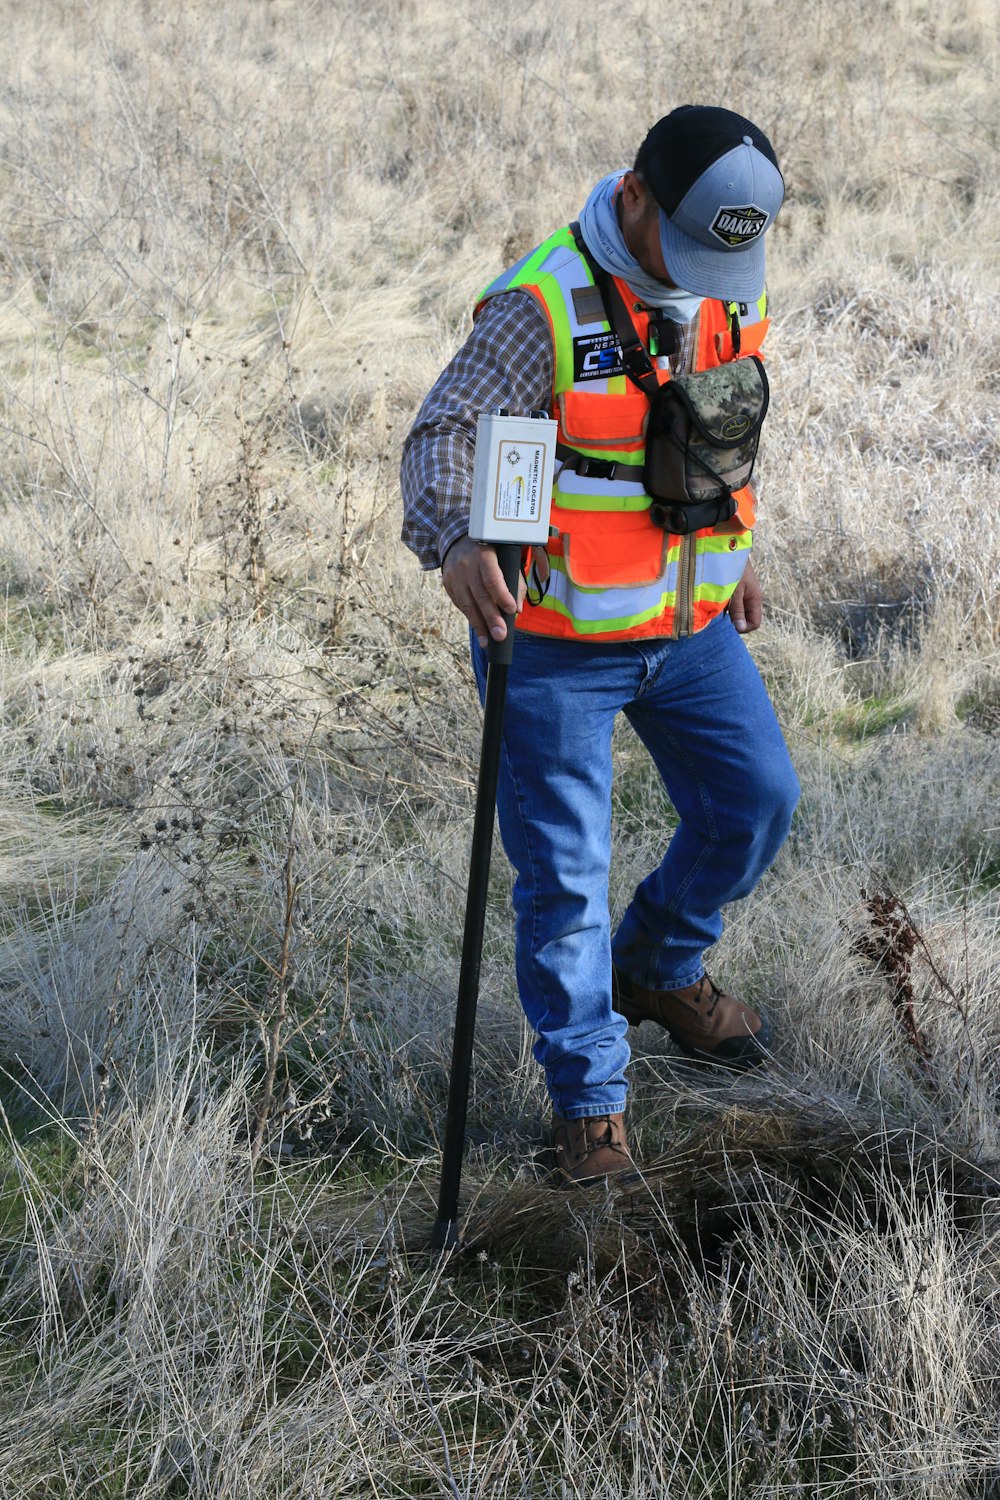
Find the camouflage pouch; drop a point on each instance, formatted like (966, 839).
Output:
(701, 443)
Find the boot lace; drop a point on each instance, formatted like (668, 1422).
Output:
(716, 994)
(606, 1138)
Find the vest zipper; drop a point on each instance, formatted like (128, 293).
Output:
(684, 607)
(687, 559)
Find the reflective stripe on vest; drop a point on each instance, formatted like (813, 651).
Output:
(615, 574)
(618, 613)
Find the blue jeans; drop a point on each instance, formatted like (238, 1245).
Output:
(703, 713)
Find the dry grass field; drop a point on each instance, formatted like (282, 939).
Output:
(237, 243)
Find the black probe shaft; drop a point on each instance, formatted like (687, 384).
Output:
(445, 1233)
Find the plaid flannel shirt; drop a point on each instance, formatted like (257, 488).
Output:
(507, 360)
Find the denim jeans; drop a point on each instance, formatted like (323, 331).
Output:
(703, 713)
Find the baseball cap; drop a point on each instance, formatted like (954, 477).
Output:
(716, 179)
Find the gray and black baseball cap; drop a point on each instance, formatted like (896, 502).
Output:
(716, 179)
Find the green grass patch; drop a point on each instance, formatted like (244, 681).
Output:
(37, 1163)
(872, 716)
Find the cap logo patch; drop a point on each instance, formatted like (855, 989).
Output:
(738, 226)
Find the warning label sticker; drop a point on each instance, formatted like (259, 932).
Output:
(518, 493)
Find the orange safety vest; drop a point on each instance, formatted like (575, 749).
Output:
(614, 574)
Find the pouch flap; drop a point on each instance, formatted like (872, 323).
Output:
(726, 404)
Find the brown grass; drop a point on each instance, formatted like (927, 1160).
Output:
(237, 244)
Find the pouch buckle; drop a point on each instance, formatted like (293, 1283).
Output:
(596, 468)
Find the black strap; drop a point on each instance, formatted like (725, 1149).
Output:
(635, 356)
(594, 468)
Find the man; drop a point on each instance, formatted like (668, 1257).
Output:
(622, 616)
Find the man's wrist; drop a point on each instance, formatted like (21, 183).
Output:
(453, 529)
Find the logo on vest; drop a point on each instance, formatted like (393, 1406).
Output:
(596, 356)
(738, 226)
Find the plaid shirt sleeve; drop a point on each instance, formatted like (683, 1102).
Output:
(507, 360)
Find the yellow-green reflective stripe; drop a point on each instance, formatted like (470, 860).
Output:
(723, 542)
(566, 598)
(604, 627)
(528, 274)
(620, 602)
(717, 586)
(561, 328)
(557, 303)
(574, 501)
(537, 259)
(714, 593)
(717, 567)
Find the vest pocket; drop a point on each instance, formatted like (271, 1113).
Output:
(601, 421)
(602, 551)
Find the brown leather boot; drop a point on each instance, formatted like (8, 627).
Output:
(589, 1150)
(703, 1020)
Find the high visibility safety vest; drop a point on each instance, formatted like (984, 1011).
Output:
(614, 575)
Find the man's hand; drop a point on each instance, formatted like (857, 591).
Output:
(746, 607)
(473, 581)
